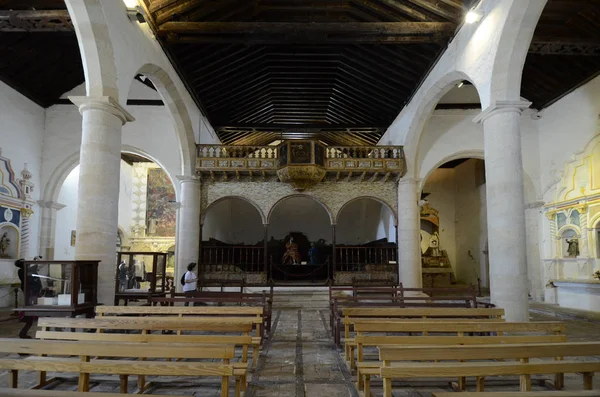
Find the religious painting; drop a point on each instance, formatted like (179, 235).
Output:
(73, 238)
(160, 213)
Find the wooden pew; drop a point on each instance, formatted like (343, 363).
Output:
(188, 311)
(263, 299)
(84, 362)
(459, 329)
(5, 392)
(398, 297)
(376, 314)
(207, 324)
(545, 393)
(392, 369)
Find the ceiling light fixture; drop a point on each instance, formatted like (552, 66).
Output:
(460, 84)
(473, 17)
(474, 14)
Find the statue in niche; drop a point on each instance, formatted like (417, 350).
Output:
(312, 254)
(4, 244)
(573, 249)
(291, 254)
(434, 244)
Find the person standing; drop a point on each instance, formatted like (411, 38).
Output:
(190, 280)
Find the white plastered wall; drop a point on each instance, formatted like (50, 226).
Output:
(21, 140)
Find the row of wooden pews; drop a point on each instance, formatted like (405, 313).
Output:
(433, 342)
(143, 341)
(263, 299)
(400, 297)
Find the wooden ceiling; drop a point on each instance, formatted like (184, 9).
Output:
(39, 51)
(336, 70)
(262, 70)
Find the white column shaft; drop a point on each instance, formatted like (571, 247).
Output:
(188, 226)
(409, 246)
(98, 195)
(506, 212)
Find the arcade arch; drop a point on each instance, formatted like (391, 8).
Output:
(365, 219)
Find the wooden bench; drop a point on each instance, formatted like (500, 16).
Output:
(376, 314)
(5, 392)
(84, 362)
(263, 299)
(570, 393)
(391, 369)
(207, 324)
(460, 329)
(244, 341)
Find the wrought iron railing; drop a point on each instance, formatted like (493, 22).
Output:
(232, 258)
(357, 259)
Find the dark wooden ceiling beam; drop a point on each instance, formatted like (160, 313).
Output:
(273, 32)
(36, 21)
(411, 12)
(436, 8)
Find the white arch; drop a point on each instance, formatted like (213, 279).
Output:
(424, 110)
(57, 178)
(511, 50)
(465, 154)
(382, 202)
(327, 210)
(205, 212)
(95, 46)
(182, 122)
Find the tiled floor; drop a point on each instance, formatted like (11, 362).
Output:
(301, 360)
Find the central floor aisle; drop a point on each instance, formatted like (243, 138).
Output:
(300, 359)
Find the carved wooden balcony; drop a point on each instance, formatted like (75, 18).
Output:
(350, 163)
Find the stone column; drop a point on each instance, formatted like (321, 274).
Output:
(48, 228)
(188, 226)
(506, 207)
(98, 195)
(409, 241)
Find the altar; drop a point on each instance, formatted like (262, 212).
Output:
(574, 294)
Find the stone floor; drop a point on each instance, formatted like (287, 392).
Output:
(301, 360)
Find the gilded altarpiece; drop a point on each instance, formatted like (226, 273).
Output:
(573, 227)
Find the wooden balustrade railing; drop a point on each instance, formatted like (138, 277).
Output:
(270, 152)
(364, 152)
(233, 151)
(246, 259)
(350, 259)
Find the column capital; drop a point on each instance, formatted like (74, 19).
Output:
(105, 103)
(501, 107)
(51, 204)
(188, 178)
(407, 180)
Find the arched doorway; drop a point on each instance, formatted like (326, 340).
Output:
(233, 241)
(300, 241)
(454, 224)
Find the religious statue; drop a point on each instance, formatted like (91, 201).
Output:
(291, 254)
(4, 243)
(312, 254)
(573, 249)
(434, 244)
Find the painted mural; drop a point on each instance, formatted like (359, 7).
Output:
(160, 212)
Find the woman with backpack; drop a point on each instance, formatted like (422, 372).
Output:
(189, 281)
